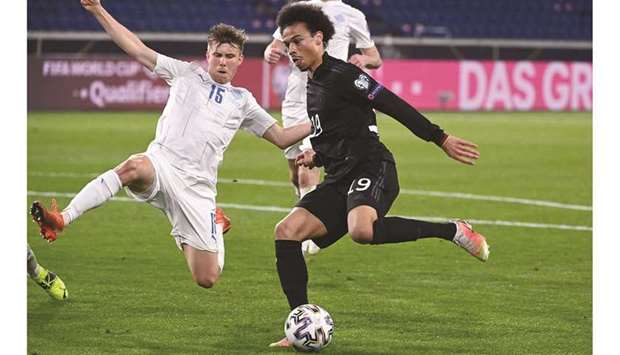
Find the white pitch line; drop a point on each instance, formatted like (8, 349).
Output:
(287, 209)
(456, 195)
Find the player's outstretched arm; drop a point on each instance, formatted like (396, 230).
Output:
(285, 137)
(364, 87)
(460, 150)
(124, 38)
(274, 51)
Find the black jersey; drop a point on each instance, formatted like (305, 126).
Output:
(341, 99)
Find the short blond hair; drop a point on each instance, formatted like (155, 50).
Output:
(223, 33)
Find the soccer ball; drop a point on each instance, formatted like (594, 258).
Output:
(309, 328)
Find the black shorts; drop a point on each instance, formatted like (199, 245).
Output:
(374, 185)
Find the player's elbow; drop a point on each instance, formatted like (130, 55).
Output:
(281, 143)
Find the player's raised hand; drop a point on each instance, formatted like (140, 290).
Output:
(306, 159)
(90, 5)
(460, 150)
(358, 60)
(273, 55)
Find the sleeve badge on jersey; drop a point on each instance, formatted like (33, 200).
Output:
(362, 82)
(375, 91)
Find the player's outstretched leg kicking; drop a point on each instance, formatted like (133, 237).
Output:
(48, 280)
(51, 222)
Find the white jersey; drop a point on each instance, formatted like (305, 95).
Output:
(201, 118)
(350, 26)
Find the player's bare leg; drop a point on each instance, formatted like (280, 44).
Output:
(307, 180)
(360, 221)
(203, 265)
(293, 176)
(299, 225)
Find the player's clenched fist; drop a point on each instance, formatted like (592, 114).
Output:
(306, 159)
(90, 4)
(358, 60)
(273, 55)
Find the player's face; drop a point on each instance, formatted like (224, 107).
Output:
(223, 61)
(305, 49)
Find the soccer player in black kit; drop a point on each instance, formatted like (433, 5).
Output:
(360, 181)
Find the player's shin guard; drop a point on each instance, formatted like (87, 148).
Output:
(94, 194)
(398, 230)
(292, 272)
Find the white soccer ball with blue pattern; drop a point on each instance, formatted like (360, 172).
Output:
(309, 328)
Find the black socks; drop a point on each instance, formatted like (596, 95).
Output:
(398, 230)
(292, 272)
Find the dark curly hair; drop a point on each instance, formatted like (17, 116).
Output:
(311, 15)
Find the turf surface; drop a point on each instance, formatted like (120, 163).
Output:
(130, 291)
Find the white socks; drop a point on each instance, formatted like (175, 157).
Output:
(94, 194)
(32, 264)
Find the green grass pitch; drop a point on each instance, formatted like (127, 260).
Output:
(130, 291)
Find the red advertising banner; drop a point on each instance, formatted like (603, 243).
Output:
(108, 83)
(103, 83)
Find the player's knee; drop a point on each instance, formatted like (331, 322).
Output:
(206, 280)
(282, 230)
(361, 235)
(285, 230)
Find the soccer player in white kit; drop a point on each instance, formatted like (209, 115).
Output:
(178, 171)
(351, 27)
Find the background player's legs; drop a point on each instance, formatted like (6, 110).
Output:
(294, 228)
(307, 179)
(49, 281)
(32, 264)
(293, 176)
(203, 264)
(137, 172)
(304, 180)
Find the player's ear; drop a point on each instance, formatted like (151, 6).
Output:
(318, 37)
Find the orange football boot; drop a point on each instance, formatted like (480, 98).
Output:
(50, 221)
(221, 218)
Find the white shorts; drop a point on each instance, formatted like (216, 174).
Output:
(190, 207)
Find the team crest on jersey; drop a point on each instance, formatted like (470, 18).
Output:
(362, 82)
